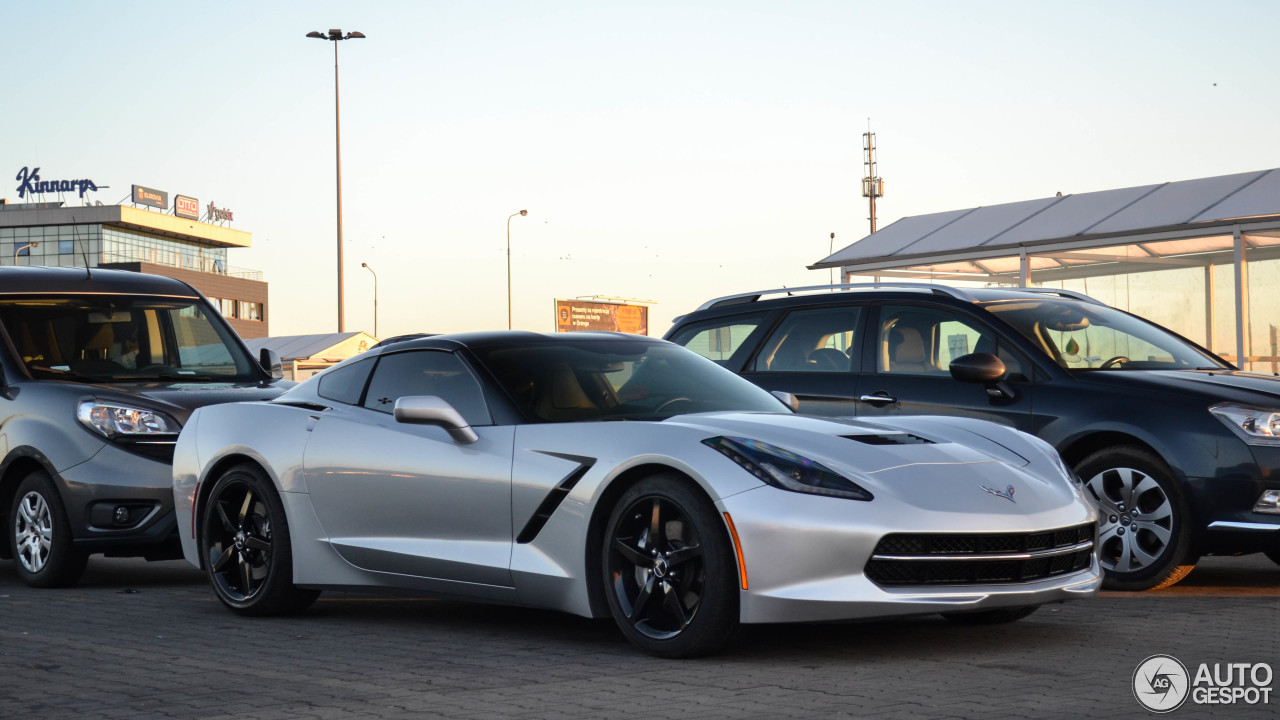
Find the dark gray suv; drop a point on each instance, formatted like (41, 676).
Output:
(98, 371)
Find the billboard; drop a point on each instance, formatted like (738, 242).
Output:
(186, 207)
(148, 196)
(582, 315)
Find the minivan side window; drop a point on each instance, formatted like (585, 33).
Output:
(815, 340)
(919, 340)
(427, 372)
(718, 340)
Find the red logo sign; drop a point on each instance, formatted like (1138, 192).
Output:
(187, 207)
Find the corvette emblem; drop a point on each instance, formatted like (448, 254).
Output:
(1007, 493)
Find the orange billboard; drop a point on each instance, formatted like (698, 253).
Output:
(585, 315)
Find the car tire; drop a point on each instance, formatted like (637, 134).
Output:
(669, 571)
(991, 617)
(40, 535)
(1144, 537)
(246, 546)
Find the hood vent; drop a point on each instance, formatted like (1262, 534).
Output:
(890, 439)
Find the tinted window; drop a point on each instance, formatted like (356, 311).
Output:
(427, 372)
(718, 340)
(569, 380)
(923, 341)
(123, 339)
(818, 340)
(345, 384)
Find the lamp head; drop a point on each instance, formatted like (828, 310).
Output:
(364, 265)
(316, 34)
(335, 34)
(524, 212)
(354, 36)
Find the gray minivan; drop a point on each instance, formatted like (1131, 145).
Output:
(99, 369)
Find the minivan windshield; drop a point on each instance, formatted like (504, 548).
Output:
(568, 381)
(115, 338)
(1083, 336)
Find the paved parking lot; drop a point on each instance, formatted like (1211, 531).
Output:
(139, 640)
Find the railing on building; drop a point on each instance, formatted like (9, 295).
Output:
(169, 258)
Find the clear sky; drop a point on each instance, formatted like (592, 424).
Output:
(667, 151)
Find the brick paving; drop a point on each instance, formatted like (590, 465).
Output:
(149, 640)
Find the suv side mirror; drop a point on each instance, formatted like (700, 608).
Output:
(270, 361)
(431, 410)
(983, 368)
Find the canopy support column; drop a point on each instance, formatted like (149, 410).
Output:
(1242, 300)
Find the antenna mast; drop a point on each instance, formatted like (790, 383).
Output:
(872, 185)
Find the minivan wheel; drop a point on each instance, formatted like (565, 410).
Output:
(40, 535)
(1143, 539)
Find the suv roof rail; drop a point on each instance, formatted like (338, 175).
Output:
(754, 296)
(1065, 293)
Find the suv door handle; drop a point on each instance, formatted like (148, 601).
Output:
(877, 399)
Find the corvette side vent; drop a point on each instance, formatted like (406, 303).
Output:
(891, 439)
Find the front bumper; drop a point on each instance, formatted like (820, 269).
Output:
(114, 479)
(805, 559)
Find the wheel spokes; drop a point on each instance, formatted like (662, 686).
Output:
(642, 599)
(671, 602)
(633, 555)
(684, 554)
(224, 558)
(226, 521)
(245, 576)
(655, 526)
(244, 509)
(257, 543)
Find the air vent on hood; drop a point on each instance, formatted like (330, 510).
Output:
(891, 439)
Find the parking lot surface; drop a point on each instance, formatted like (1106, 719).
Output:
(149, 640)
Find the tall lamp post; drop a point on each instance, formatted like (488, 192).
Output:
(375, 297)
(830, 251)
(522, 212)
(335, 36)
(30, 245)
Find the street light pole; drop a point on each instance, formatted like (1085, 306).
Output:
(335, 36)
(375, 297)
(24, 247)
(831, 248)
(522, 212)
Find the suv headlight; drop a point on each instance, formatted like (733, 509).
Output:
(112, 420)
(786, 470)
(1256, 426)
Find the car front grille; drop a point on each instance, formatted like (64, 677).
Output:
(159, 447)
(904, 559)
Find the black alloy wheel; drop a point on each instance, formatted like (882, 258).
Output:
(670, 575)
(1143, 539)
(245, 541)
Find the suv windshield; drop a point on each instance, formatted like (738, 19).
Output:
(1081, 336)
(620, 380)
(122, 339)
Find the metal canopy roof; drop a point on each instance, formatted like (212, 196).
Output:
(298, 347)
(1186, 223)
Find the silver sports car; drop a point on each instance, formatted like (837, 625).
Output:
(604, 474)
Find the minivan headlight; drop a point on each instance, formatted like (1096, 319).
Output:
(112, 420)
(1256, 426)
(785, 469)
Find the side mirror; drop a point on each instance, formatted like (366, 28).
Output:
(431, 410)
(985, 369)
(270, 361)
(787, 399)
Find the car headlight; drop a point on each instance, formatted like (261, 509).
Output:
(1256, 426)
(112, 420)
(786, 470)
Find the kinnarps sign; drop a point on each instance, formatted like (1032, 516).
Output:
(29, 183)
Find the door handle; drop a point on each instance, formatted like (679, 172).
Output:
(875, 399)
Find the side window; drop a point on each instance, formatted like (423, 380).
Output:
(718, 340)
(427, 372)
(345, 384)
(923, 341)
(817, 340)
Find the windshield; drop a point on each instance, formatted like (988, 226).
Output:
(1081, 336)
(569, 381)
(123, 339)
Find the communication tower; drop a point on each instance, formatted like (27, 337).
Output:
(872, 185)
